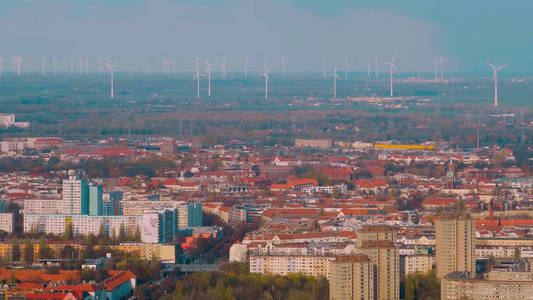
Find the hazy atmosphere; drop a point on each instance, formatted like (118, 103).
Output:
(137, 32)
(266, 149)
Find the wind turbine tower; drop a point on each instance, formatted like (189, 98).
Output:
(283, 66)
(335, 77)
(441, 62)
(367, 67)
(173, 66)
(54, 65)
(223, 66)
(376, 65)
(245, 59)
(80, 59)
(495, 77)
(111, 71)
(265, 74)
(346, 64)
(392, 68)
(208, 69)
(197, 77)
(43, 61)
(324, 66)
(17, 60)
(265, 62)
(436, 67)
(99, 60)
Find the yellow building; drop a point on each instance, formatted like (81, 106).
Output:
(351, 277)
(5, 252)
(455, 244)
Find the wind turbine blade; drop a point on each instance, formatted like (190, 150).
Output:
(491, 65)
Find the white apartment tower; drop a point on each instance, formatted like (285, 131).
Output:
(75, 196)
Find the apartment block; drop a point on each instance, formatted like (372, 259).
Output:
(283, 265)
(455, 245)
(351, 277)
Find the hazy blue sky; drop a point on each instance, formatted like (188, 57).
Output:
(139, 32)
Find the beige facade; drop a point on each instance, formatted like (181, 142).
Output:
(351, 277)
(377, 243)
(314, 143)
(456, 244)
(418, 263)
(456, 286)
(283, 265)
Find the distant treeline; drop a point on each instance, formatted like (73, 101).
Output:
(106, 168)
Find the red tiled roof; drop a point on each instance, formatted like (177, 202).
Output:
(370, 183)
(118, 278)
(40, 275)
(46, 296)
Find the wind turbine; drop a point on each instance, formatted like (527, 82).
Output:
(173, 66)
(71, 64)
(197, 77)
(437, 62)
(111, 71)
(223, 65)
(376, 65)
(265, 61)
(17, 60)
(392, 66)
(283, 66)
(245, 59)
(195, 63)
(80, 59)
(495, 75)
(265, 74)
(324, 66)
(208, 70)
(43, 61)
(54, 64)
(335, 77)
(0, 65)
(166, 66)
(441, 66)
(367, 67)
(99, 60)
(346, 63)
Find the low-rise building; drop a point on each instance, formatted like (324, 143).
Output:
(458, 285)
(283, 265)
(6, 222)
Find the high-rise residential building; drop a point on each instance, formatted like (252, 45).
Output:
(190, 214)
(95, 200)
(351, 277)
(110, 203)
(194, 217)
(455, 245)
(75, 196)
(377, 243)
